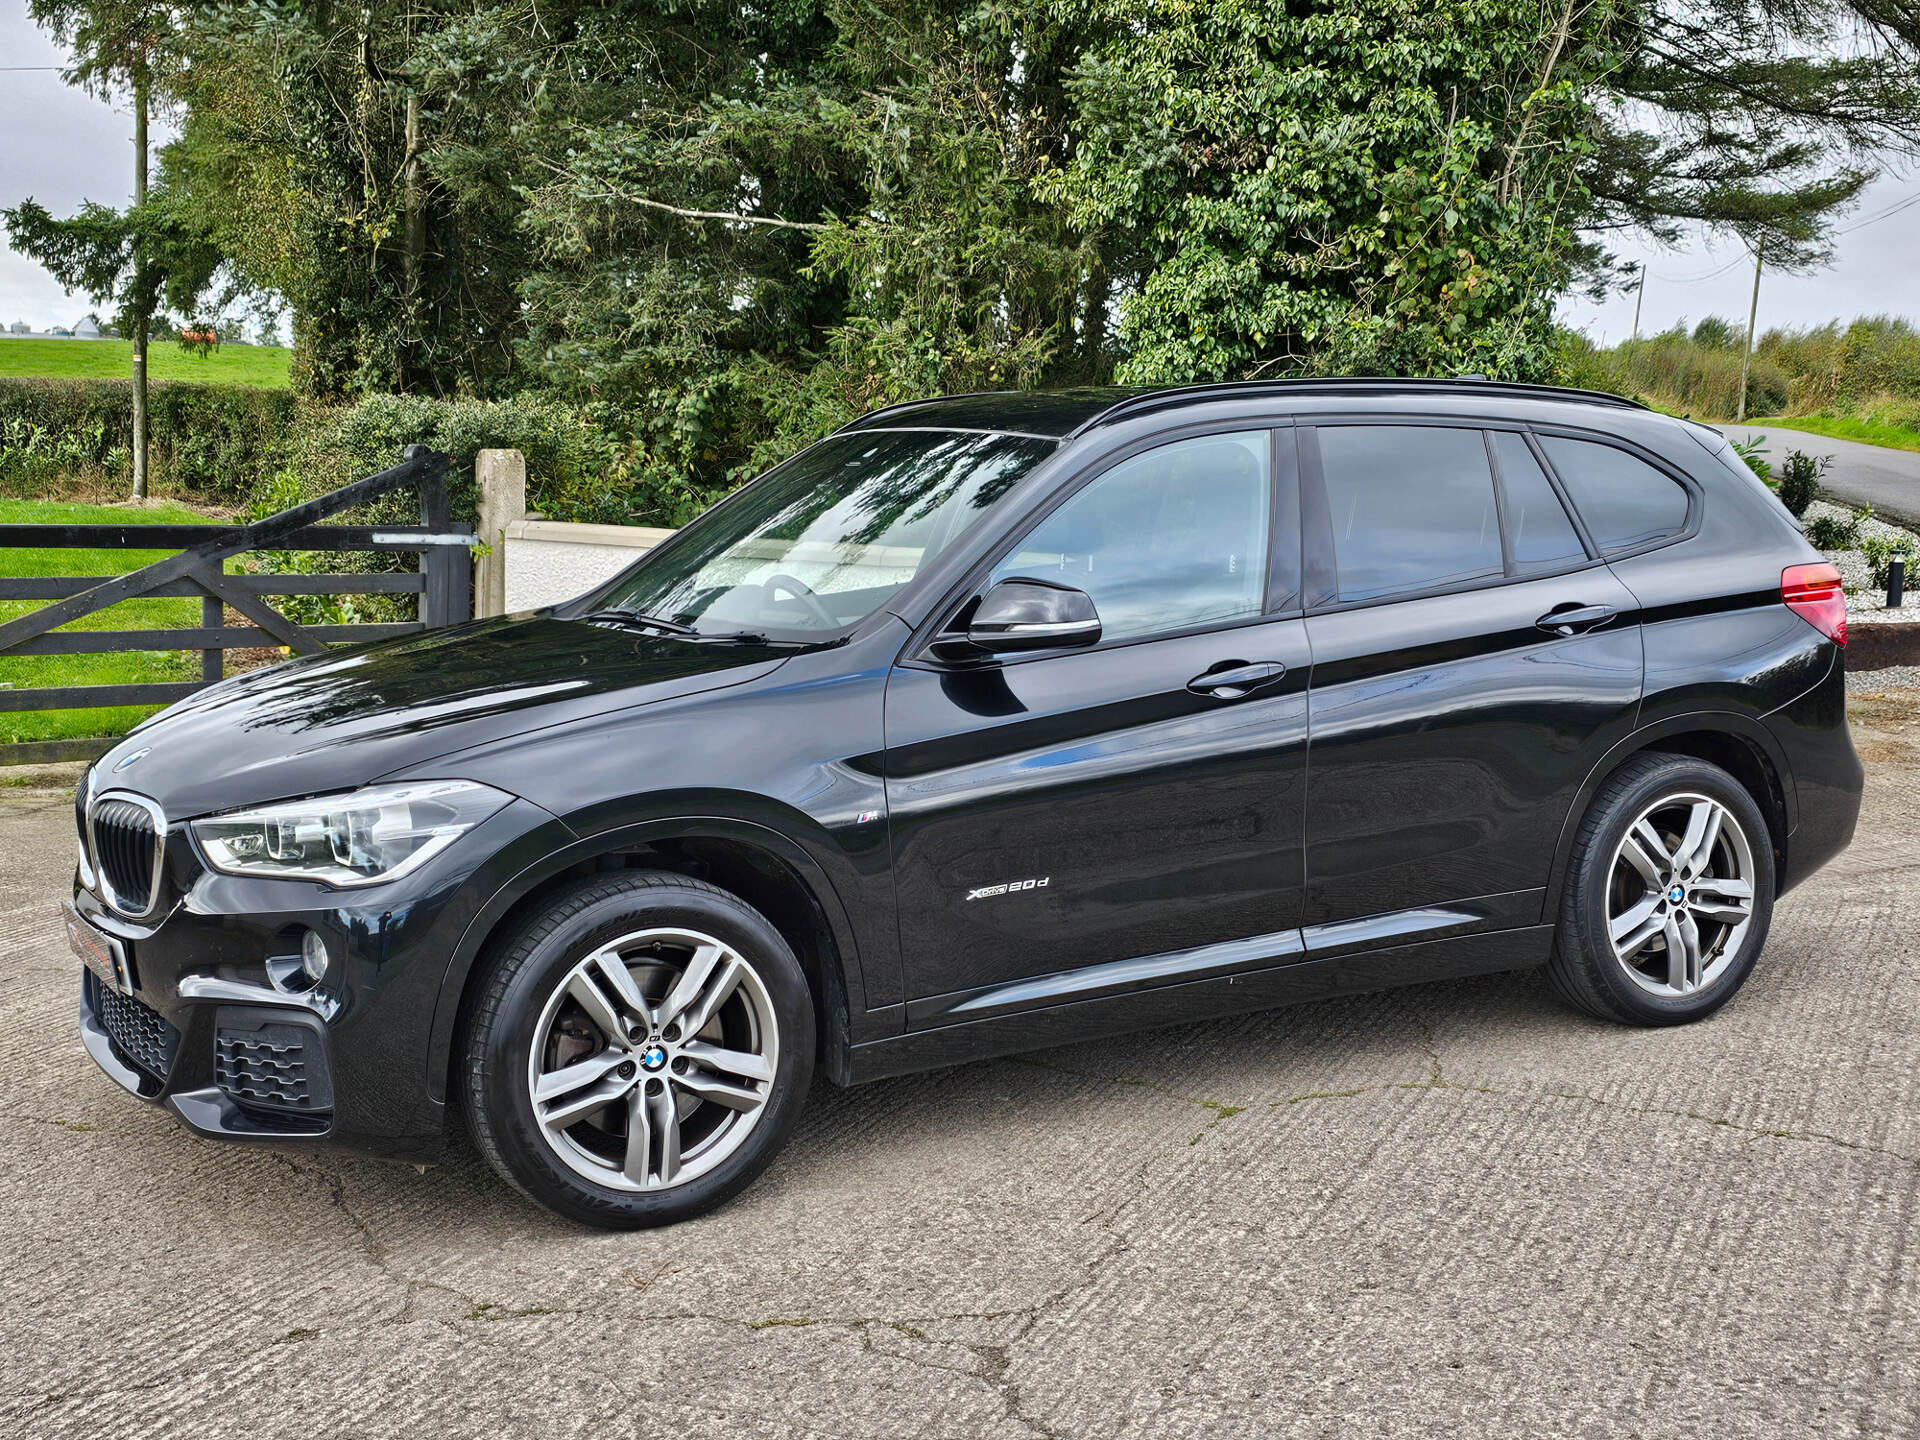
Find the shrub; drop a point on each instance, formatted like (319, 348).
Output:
(1800, 476)
(1753, 452)
(1880, 553)
(574, 471)
(213, 442)
(1686, 375)
(1717, 334)
(1824, 532)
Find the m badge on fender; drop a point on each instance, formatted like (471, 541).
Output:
(1012, 887)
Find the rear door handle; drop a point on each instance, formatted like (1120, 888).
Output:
(1575, 619)
(1239, 680)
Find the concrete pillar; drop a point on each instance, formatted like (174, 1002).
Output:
(501, 476)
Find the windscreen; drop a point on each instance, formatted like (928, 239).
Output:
(826, 539)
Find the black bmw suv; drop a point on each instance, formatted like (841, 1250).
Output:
(986, 723)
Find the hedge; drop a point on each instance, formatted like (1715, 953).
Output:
(232, 445)
(215, 442)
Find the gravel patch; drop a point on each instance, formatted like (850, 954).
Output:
(1862, 599)
(1894, 677)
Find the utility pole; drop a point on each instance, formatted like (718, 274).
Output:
(1639, 295)
(140, 318)
(1746, 356)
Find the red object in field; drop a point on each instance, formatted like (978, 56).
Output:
(1813, 593)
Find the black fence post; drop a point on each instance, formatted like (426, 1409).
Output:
(213, 615)
(1896, 584)
(435, 516)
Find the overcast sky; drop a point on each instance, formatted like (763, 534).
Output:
(61, 147)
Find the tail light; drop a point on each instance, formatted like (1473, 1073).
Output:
(1813, 593)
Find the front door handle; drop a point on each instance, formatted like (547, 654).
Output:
(1573, 619)
(1239, 680)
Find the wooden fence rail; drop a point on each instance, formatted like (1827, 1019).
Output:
(443, 583)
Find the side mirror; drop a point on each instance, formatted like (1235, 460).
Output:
(1021, 614)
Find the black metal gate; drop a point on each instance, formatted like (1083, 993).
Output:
(443, 583)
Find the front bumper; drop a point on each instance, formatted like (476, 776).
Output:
(206, 1034)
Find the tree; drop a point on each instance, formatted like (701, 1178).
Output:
(719, 229)
(1749, 117)
(117, 257)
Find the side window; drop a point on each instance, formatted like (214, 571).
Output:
(1172, 538)
(1539, 533)
(1412, 507)
(1625, 501)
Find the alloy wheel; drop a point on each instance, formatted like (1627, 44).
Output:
(1680, 894)
(653, 1059)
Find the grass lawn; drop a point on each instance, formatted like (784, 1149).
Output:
(1847, 427)
(22, 358)
(127, 667)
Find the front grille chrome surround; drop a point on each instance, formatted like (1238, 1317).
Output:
(127, 848)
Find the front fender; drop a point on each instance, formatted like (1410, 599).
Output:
(847, 1024)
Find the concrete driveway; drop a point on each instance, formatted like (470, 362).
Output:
(1861, 474)
(1450, 1210)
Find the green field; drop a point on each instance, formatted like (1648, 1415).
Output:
(31, 359)
(128, 667)
(1849, 427)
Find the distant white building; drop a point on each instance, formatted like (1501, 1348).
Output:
(20, 327)
(86, 329)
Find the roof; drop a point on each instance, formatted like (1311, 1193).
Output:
(1060, 414)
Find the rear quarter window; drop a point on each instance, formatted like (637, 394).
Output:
(1625, 501)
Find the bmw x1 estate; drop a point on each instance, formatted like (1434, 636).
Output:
(986, 723)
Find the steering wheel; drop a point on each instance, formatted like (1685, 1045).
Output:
(800, 591)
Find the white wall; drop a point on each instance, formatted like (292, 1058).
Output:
(549, 561)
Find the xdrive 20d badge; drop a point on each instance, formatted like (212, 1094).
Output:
(986, 723)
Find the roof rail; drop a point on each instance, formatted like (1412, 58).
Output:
(1474, 384)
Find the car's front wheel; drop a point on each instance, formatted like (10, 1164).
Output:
(637, 1053)
(1668, 896)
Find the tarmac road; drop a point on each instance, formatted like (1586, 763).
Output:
(1861, 474)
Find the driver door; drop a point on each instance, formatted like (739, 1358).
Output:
(1058, 816)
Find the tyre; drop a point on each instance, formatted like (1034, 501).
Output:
(636, 1054)
(1669, 893)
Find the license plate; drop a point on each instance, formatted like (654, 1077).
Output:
(98, 951)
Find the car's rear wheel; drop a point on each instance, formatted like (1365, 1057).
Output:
(638, 1052)
(1669, 894)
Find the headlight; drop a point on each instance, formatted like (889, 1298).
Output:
(356, 839)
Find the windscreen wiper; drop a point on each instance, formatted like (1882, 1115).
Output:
(634, 619)
(616, 615)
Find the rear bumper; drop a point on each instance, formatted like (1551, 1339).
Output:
(1827, 776)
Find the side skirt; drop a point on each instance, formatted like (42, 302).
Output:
(1289, 983)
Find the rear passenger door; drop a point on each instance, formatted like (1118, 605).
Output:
(1473, 659)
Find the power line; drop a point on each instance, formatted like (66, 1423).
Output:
(1875, 219)
(1708, 275)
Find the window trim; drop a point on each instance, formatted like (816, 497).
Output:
(1580, 532)
(1285, 488)
(1696, 496)
(1317, 513)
